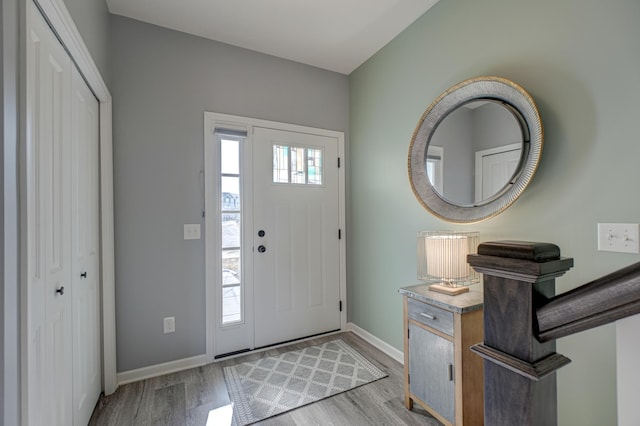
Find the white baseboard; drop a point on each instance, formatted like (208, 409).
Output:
(160, 369)
(200, 360)
(378, 343)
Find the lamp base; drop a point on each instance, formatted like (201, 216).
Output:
(446, 289)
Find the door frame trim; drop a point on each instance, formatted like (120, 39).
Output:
(211, 120)
(57, 14)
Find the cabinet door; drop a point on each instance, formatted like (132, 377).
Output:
(431, 371)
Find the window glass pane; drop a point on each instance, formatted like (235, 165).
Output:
(314, 166)
(231, 304)
(230, 186)
(230, 267)
(231, 287)
(230, 284)
(297, 165)
(230, 230)
(229, 157)
(280, 164)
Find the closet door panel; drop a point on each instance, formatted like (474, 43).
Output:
(61, 241)
(85, 240)
(36, 278)
(55, 73)
(48, 212)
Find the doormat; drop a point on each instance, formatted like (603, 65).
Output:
(270, 386)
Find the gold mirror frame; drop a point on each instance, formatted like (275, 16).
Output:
(496, 89)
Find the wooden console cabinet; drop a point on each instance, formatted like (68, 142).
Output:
(441, 374)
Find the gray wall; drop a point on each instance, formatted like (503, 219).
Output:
(454, 134)
(579, 60)
(92, 19)
(162, 83)
(494, 126)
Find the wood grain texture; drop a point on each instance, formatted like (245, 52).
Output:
(519, 371)
(509, 317)
(536, 252)
(607, 299)
(470, 372)
(512, 399)
(534, 371)
(519, 269)
(187, 397)
(611, 315)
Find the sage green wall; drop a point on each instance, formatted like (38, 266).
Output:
(580, 61)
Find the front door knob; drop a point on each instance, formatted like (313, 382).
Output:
(262, 249)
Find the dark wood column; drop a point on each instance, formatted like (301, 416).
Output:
(519, 371)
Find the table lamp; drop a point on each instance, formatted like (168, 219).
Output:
(442, 260)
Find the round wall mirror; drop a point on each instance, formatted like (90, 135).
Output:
(475, 149)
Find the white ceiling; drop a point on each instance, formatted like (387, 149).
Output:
(338, 35)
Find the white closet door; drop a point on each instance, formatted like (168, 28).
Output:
(85, 242)
(48, 180)
(62, 239)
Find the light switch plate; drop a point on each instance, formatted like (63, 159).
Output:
(191, 231)
(619, 237)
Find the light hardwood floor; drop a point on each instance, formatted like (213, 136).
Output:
(185, 398)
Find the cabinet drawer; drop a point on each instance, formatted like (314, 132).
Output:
(430, 316)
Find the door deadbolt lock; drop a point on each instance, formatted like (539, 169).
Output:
(261, 233)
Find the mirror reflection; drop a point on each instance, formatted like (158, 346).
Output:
(475, 149)
(474, 152)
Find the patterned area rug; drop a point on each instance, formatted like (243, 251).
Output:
(271, 386)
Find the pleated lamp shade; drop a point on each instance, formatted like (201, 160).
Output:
(442, 258)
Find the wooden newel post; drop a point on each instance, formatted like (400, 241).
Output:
(519, 371)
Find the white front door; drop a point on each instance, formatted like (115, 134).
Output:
(275, 261)
(296, 226)
(85, 294)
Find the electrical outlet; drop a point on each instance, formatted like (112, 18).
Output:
(169, 325)
(619, 237)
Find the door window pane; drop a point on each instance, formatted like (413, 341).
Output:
(297, 165)
(314, 166)
(280, 164)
